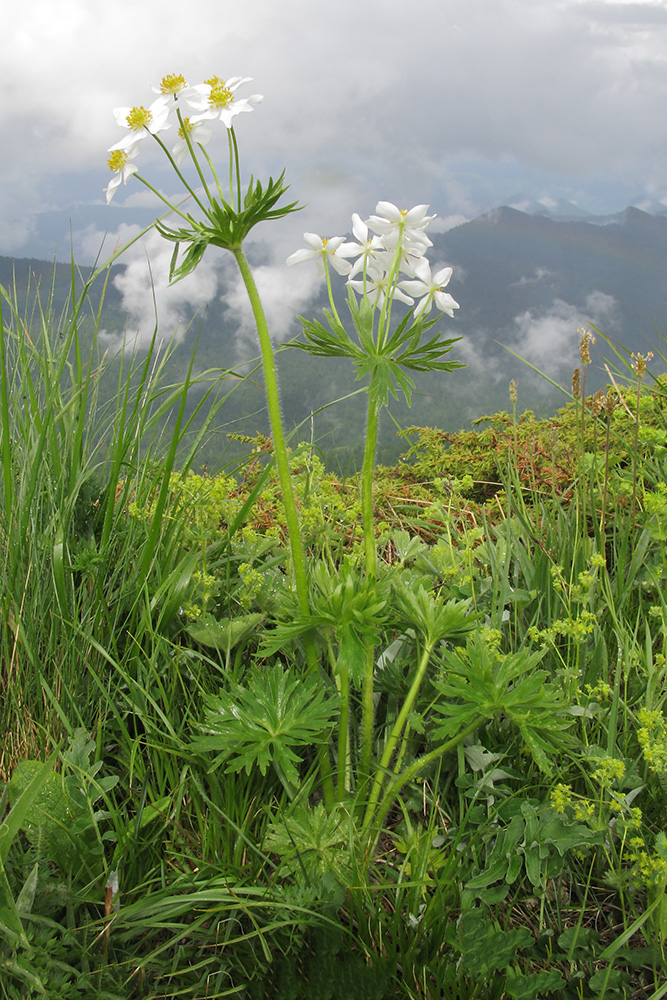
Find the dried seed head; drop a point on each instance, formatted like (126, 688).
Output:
(587, 339)
(639, 362)
(597, 403)
(576, 383)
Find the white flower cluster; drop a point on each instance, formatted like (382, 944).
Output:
(389, 237)
(213, 99)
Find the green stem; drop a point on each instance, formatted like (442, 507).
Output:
(234, 165)
(411, 772)
(343, 736)
(162, 198)
(215, 176)
(397, 730)
(334, 311)
(279, 445)
(368, 528)
(179, 174)
(193, 155)
(367, 470)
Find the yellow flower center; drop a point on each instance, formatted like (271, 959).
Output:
(172, 83)
(220, 96)
(185, 127)
(138, 118)
(117, 160)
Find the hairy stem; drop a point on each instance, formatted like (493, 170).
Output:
(370, 551)
(279, 445)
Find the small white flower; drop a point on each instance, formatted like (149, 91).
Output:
(118, 162)
(171, 85)
(216, 98)
(429, 289)
(396, 225)
(374, 287)
(332, 251)
(370, 247)
(141, 122)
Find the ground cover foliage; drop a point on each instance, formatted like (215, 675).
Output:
(185, 811)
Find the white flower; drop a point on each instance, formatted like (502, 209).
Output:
(216, 98)
(374, 287)
(370, 247)
(171, 85)
(396, 225)
(118, 162)
(141, 122)
(429, 289)
(332, 251)
(198, 134)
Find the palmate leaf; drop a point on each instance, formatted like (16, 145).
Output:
(425, 357)
(419, 609)
(224, 226)
(312, 842)
(331, 343)
(479, 684)
(387, 378)
(259, 724)
(348, 604)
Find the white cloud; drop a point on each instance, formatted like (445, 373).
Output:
(550, 340)
(285, 292)
(539, 274)
(361, 103)
(147, 296)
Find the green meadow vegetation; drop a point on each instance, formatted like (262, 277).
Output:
(186, 811)
(278, 735)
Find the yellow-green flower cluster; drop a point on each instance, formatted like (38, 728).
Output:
(563, 798)
(600, 692)
(608, 771)
(649, 867)
(577, 628)
(652, 738)
(252, 583)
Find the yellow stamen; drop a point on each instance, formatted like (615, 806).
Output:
(185, 127)
(139, 118)
(117, 160)
(172, 83)
(220, 95)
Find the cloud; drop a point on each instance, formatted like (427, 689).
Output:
(285, 292)
(549, 340)
(539, 274)
(453, 107)
(147, 297)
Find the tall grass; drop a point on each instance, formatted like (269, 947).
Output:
(91, 600)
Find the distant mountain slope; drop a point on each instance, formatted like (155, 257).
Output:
(527, 282)
(513, 261)
(530, 282)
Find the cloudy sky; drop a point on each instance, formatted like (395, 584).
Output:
(462, 104)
